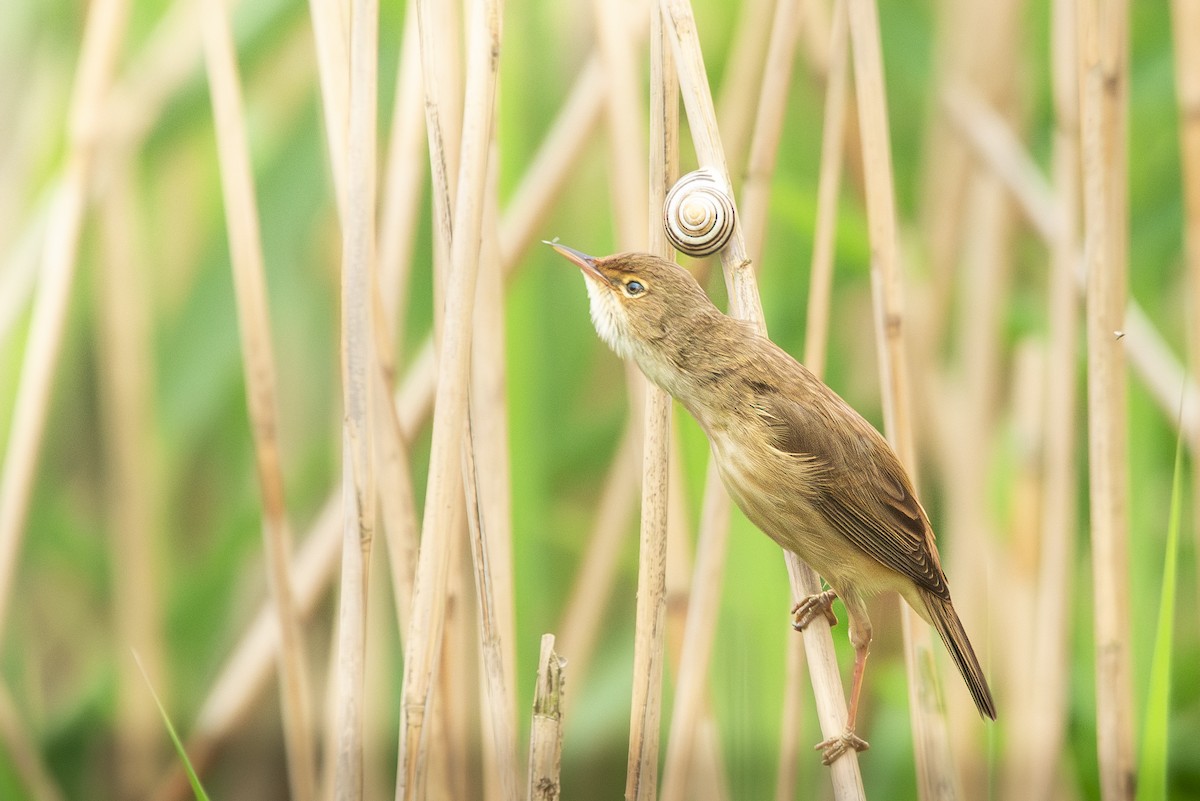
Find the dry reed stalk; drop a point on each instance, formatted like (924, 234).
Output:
(331, 39)
(246, 258)
(102, 37)
(816, 336)
(623, 107)
(489, 403)
(450, 406)
(443, 45)
(403, 184)
(768, 125)
(704, 607)
(680, 26)
(935, 772)
(641, 777)
(126, 388)
(744, 73)
(358, 365)
(584, 611)
(545, 731)
(1103, 77)
(1185, 21)
(24, 755)
(1045, 732)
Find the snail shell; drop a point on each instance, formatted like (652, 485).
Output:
(698, 213)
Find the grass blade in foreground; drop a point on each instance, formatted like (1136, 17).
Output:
(1152, 769)
(179, 749)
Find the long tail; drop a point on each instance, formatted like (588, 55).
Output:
(945, 620)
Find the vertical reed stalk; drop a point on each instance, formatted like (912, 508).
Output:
(935, 774)
(246, 258)
(450, 408)
(545, 732)
(680, 25)
(1046, 732)
(102, 37)
(743, 75)
(358, 363)
(126, 386)
(331, 34)
(1103, 81)
(641, 780)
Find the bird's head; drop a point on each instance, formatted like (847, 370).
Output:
(643, 306)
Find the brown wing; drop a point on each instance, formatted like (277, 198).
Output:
(865, 494)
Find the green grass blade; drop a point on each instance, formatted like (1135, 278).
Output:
(1152, 770)
(179, 749)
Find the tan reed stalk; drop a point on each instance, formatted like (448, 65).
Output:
(453, 742)
(584, 611)
(1103, 77)
(358, 364)
(935, 773)
(24, 756)
(331, 37)
(246, 258)
(1045, 731)
(768, 125)
(102, 37)
(626, 153)
(1185, 20)
(490, 441)
(450, 407)
(18, 276)
(743, 75)
(545, 731)
(680, 25)
(641, 777)
(403, 182)
(705, 605)
(1148, 352)
(816, 336)
(445, 58)
(126, 388)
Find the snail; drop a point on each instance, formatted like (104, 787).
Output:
(698, 213)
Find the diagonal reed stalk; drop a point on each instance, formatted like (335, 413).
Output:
(102, 37)
(641, 778)
(935, 773)
(1103, 79)
(704, 606)
(680, 25)
(246, 258)
(450, 407)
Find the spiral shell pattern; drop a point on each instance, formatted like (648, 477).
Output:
(698, 213)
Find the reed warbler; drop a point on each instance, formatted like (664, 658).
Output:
(800, 462)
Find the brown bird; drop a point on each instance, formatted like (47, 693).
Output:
(800, 462)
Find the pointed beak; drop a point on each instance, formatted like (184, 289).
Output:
(582, 260)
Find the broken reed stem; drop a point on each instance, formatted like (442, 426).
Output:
(246, 259)
(816, 335)
(935, 771)
(704, 606)
(126, 384)
(1103, 81)
(358, 363)
(102, 37)
(1046, 733)
(450, 408)
(545, 731)
(680, 25)
(641, 778)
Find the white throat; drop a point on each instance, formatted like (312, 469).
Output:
(608, 317)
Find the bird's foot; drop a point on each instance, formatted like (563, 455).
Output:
(834, 747)
(813, 606)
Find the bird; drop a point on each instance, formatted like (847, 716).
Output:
(804, 466)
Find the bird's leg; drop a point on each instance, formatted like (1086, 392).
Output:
(808, 609)
(860, 637)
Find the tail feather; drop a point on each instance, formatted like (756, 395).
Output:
(948, 625)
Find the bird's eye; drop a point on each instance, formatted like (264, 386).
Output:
(634, 288)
